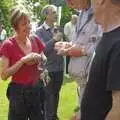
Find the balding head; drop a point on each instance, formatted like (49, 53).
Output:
(49, 13)
(74, 19)
(46, 8)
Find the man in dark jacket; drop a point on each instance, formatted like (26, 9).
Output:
(50, 34)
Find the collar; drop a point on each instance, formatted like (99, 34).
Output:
(46, 26)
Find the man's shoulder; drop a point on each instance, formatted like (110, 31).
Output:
(68, 24)
(40, 28)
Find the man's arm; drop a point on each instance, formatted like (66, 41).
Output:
(114, 113)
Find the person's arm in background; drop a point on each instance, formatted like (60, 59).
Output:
(83, 50)
(69, 49)
(76, 51)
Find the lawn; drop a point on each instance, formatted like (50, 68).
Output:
(66, 106)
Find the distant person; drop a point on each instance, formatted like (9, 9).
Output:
(69, 30)
(55, 64)
(21, 56)
(3, 34)
(69, 27)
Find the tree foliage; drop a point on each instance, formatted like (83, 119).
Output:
(34, 7)
(5, 6)
(66, 14)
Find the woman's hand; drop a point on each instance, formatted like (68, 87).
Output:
(31, 58)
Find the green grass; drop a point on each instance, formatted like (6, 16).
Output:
(3, 100)
(66, 105)
(67, 100)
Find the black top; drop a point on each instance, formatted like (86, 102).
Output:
(104, 77)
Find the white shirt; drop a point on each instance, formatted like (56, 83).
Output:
(3, 35)
(46, 26)
(69, 30)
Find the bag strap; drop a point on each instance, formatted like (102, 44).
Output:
(88, 20)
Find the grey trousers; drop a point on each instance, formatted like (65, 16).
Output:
(52, 95)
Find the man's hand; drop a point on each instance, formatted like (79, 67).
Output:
(77, 51)
(62, 47)
(57, 36)
(62, 52)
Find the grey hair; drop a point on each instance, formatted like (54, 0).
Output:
(74, 16)
(44, 11)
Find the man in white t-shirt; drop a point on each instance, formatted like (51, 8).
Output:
(3, 33)
(69, 27)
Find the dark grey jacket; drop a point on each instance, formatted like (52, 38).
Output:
(55, 62)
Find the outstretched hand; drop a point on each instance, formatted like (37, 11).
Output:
(62, 47)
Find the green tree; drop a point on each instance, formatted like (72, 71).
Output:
(5, 6)
(34, 7)
(66, 14)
